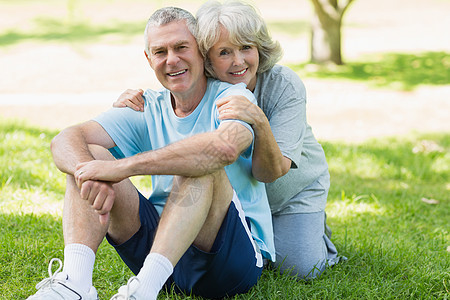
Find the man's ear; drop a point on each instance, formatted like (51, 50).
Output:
(148, 59)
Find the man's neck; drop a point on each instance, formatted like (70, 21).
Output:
(184, 104)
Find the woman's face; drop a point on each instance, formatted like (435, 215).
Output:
(234, 63)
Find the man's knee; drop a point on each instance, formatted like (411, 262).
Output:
(187, 190)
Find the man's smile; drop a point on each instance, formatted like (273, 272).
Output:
(177, 73)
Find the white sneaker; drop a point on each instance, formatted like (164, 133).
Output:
(56, 287)
(126, 292)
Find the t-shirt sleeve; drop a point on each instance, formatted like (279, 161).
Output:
(127, 128)
(288, 119)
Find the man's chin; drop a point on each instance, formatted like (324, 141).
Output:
(177, 88)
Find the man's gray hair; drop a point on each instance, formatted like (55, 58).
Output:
(168, 15)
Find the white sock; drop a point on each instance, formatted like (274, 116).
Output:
(79, 262)
(154, 273)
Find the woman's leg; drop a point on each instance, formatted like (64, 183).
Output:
(302, 248)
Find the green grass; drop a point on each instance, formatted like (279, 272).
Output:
(392, 70)
(395, 242)
(60, 31)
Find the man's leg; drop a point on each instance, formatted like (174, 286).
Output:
(193, 214)
(82, 228)
(83, 231)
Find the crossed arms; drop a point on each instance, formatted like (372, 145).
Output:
(211, 151)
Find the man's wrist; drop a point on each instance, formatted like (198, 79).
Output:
(137, 165)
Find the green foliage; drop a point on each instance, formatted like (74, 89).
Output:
(392, 70)
(388, 208)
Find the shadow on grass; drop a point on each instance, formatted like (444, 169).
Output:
(50, 29)
(392, 70)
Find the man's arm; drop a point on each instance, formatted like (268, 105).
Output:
(198, 155)
(70, 146)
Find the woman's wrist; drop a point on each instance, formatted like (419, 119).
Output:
(260, 121)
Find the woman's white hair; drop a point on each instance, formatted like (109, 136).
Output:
(245, 27)
(167, 15)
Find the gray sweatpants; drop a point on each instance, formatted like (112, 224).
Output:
(301, 246)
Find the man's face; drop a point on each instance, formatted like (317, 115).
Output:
(174, 56)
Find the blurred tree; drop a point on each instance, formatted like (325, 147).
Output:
(326, 30)
(72, 7)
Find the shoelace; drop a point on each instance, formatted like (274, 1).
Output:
(47, 282)
(129, 291)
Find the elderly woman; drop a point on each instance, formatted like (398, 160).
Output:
(237, 47)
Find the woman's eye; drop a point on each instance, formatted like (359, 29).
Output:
(223, 52)
(246, 47)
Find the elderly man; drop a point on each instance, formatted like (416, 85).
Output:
(206, 226)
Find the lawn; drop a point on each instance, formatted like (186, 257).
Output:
(388, 208)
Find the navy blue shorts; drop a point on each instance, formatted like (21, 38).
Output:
(232, 267)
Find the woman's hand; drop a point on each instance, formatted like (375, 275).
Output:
(240, 108)
(132, 99)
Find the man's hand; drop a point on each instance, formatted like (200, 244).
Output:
(100, 195)
(100, 170)
(96, 186)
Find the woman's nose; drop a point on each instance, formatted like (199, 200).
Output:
(238, 59)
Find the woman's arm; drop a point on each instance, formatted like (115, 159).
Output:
(132, 99)
(268, 162)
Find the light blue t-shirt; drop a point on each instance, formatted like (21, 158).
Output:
(135, 132)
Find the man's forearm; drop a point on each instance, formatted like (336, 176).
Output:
(195, 156)
(69, 148)
(198, 155)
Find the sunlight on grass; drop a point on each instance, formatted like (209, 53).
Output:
(350, 208)
(397, 71)
(24, 201)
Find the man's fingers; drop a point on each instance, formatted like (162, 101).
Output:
(103, 218)
(85, 190)
(104, 199)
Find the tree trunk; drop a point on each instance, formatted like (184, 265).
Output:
(325, 42)
(326, 31)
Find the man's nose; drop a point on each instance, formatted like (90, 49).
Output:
(172, 58)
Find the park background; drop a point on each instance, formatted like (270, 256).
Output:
(383, 119)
